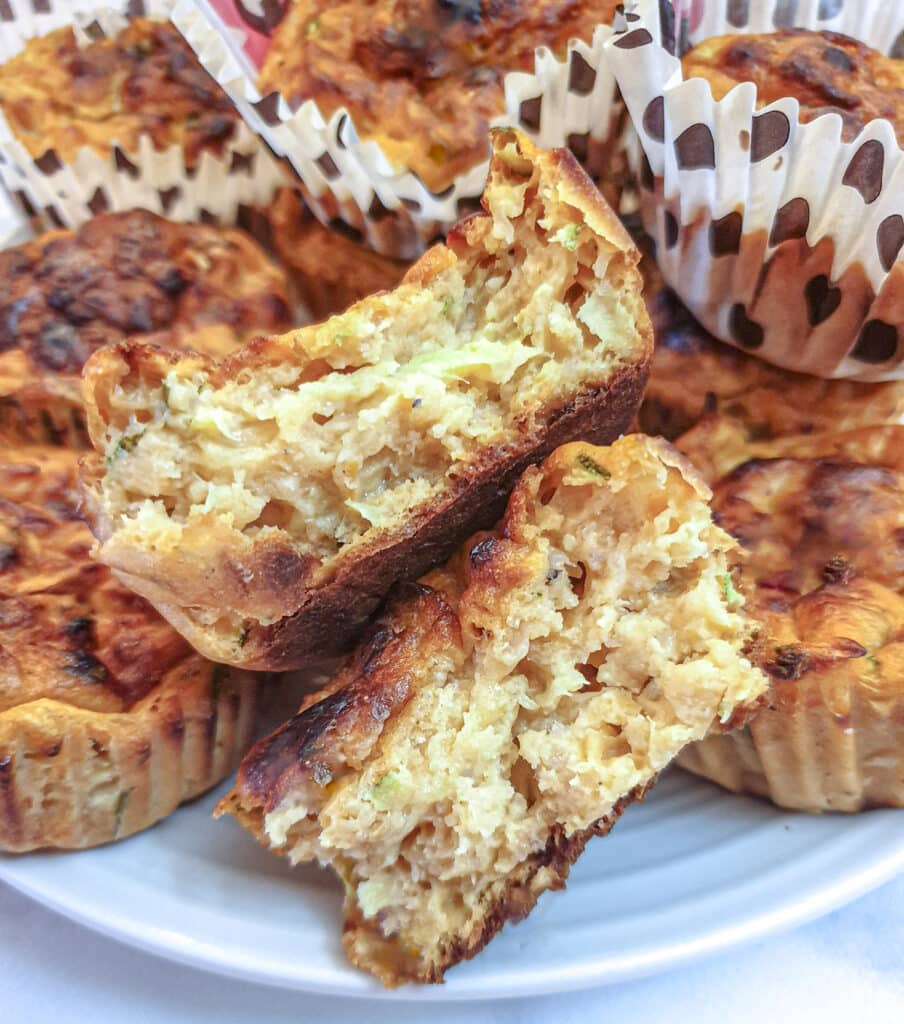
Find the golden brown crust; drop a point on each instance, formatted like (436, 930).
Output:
(66, 294)
(108, 720)
(320, 604)
(825, 71)
(821, 519)
(329, 270)
(145, 81)
(422, 78)
(431, 645)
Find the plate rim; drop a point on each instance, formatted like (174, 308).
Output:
(800, 908)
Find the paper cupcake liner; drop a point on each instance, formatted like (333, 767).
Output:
(52, 193)
(568, 102)
(777, 235)
(810, 757)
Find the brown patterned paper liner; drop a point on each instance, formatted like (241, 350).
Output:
(812, 756)
(570, 102)
(53, 193)
(780, 237)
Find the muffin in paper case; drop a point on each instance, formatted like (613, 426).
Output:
(782, 238)
(346, 178)
(217, 184)
(820, 518)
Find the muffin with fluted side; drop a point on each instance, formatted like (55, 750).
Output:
(821, 521)
(108, 719)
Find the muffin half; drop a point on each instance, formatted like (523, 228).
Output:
(509, 706)
(265, 505)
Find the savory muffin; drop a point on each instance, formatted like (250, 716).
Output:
(821, 521)
(108, 719)
(826, 72)
(693, 375)
(506, 708)
(423, 78)
(266, 504)
(58, 96)
(66, 294)
(329, 269)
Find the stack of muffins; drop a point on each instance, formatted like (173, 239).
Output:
(108, 717)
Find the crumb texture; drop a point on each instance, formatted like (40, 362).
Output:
(509, 708)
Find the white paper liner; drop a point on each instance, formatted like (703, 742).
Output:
(360, 183)
(216, 188)
(713, 167)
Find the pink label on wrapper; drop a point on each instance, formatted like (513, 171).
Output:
(256, 19)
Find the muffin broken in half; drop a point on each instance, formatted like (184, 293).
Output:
(507, 707)
(267, 503)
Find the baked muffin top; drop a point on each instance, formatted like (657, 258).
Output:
(69, 630)
(65, 294)
(823, 537)
(421, 77)
(146, 80)
(825, 71)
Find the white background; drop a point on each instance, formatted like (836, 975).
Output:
(848, 966)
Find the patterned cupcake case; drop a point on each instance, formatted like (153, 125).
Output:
(569, 102)
(782, 238)
(219, 187)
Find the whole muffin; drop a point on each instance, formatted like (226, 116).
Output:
(821, 520)
(330, 269)
(58, 96)
(694, 376)
(108, 719)
(66, 294)
(423, 78)
(826, 72)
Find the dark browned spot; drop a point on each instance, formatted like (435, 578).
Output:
(654, 119)
(746, 332)
(791, 221)
(725, 235)
(878, 342)
(48, 163)
(581, 76)
(838, 570)
(769, 133)
(788, 662)
(482, 552)
(889, 239)
(837, 58)
(822, 299)
(864, 172)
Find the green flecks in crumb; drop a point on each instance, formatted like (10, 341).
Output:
(312, 28)
(588, 465)
(192, 119)
(873, 663)
(448, 307)
(165, 393)
(728, 589)
(123, 445)
(568, 236)
(121, 802)
(384, 791)
(242, 638)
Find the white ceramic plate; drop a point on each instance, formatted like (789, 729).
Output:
(689, 872)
